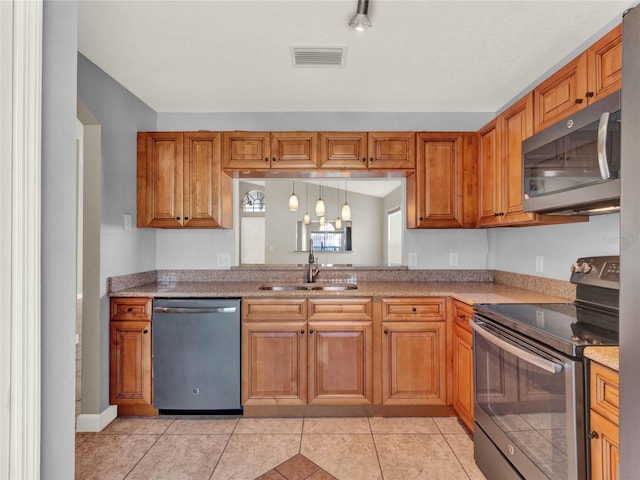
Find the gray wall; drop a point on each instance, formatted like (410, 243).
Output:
(58, 222)
(396, 199)
(121, 115)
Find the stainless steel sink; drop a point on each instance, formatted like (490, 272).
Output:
(281, 288)
(335, 287)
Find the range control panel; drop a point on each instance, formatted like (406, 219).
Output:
(601, 271)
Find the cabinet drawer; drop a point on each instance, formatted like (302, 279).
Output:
(131, 309)
(462, 313)
(274, 309)
(408, 309)
(605, 392)
(343, 309)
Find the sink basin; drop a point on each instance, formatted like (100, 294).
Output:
(282, 288)
(335, 287)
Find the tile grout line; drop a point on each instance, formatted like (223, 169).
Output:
(148, 450)
(455, 454)
(375, 447)
(225, 447)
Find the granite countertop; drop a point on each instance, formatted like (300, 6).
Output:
(468, 292)
(607, 356)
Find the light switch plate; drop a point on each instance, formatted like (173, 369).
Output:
(127, 221)
(539, 263)
(453, 259)
(413, 259)
(224, 259)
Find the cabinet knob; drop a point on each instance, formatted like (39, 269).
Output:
(186, 218)
(274, 159)
(301, 332)
(421, 219)
(588, 94)
(578, 101)
(371, 159)
(130, 309)
(594, 435)
(145, 331)
(266, 159)
(462, 316)
(310, 331)
(386, 332)
(414, 309)
(177, 218)
(364, 159)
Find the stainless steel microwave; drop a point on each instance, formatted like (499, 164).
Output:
(573, 167)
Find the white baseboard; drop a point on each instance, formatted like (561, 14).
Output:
(96, 422)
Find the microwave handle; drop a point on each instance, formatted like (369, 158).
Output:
(602, 146)
(543, 363)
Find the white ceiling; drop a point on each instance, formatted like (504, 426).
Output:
(419, 56)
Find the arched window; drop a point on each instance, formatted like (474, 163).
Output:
(253, 202)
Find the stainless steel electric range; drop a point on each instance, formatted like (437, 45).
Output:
(530, 377)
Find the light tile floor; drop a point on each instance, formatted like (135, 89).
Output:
(176, 448)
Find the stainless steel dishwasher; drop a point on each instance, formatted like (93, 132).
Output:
(196, 354)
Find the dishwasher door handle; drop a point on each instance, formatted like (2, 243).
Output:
(195, 310)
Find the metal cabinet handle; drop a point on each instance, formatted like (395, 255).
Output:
(194, 310)
(145, 331)
(594, 435)
(602, 146)
(589, 94)
(579, 101)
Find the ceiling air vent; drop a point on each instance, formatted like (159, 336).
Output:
(318, 56)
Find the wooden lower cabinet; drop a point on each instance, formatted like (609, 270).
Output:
(274, 363)
(130, 369)
(414, 366)
(340, 370)
(463, 363)
(325, 360)
(604, 417)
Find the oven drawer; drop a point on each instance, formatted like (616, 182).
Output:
(605, 392)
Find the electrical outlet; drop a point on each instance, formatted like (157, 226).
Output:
(127, 221)
(453, 259)
(539, 263)
(413, 259)
(224, 259)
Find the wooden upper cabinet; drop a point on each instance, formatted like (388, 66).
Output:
(180, 181)
(343, 150)
(391, 150)
(294, 150)
(246, 150)
(489, 175)
(443, 188)
(592, 75)
(604, 65)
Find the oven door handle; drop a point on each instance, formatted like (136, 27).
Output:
(543, 363)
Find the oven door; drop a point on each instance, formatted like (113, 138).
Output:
(529, 403)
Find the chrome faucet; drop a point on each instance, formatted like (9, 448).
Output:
(313, 270)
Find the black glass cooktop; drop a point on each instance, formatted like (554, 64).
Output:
(564, 326)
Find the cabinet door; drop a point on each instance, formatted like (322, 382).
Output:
(604, 64)
(343, 150)
(246, 150)
(208, 191)
(561, 94)
(440, 180)
(340, 363)
(489, 176)
(517, 124)
(605, 448)
(392, 150)
(130, 380)
(274, 363)
(414, 363)
(294, 150)
(160, 182)
(463, 373)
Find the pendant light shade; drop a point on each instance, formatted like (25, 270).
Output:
(345, 213)
(360, 21)
(322, 221)
(293, 200)
(320, 210)
(338, 223)
(307, 218)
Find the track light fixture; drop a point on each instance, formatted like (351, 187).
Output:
(360, 21)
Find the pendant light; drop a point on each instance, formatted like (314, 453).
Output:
(346, 209)
(307, 217)
(322, 221)
(360, 21)
(293, 200)
(320, 204)
(338, 222)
